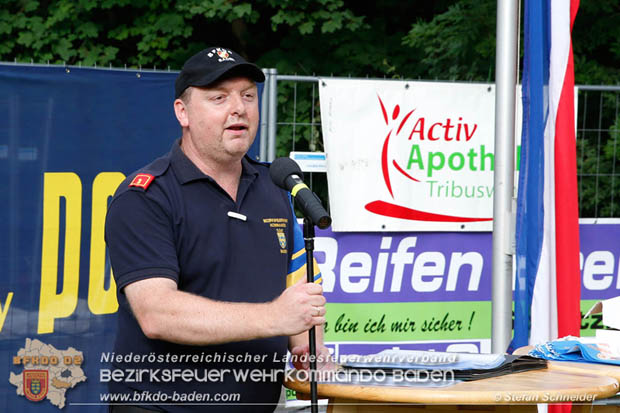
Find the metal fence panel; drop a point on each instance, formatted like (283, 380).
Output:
(598, 152)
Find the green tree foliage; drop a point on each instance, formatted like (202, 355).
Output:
(440, 39)
(457, 44)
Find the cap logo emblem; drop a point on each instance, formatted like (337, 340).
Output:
(223, 55)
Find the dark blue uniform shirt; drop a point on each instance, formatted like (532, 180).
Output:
(176, 224)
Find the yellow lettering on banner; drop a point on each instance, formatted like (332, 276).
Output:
(100, 300)
(57, 185)
(4, 309)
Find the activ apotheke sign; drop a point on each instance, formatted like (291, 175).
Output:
(409, 156)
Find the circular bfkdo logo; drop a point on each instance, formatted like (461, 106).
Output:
(36, 384)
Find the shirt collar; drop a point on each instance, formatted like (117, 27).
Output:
(186, 171)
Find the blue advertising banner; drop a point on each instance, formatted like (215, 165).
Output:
(68, 137)
(433, 290)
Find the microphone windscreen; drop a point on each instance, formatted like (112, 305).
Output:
(281, 168)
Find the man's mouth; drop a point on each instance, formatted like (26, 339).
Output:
(237, 127)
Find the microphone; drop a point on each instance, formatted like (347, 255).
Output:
(286, 174)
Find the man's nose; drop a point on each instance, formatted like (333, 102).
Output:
(237, 105)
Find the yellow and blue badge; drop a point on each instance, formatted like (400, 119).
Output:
(281, 237)
(279, 225)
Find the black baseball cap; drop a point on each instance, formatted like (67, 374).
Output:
(210, 64)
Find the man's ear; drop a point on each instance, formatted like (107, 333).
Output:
(180, 110)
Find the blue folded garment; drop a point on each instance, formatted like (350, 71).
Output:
(574, 350)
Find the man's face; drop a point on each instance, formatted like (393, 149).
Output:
(222, 119)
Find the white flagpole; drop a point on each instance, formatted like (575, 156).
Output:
(505, 83)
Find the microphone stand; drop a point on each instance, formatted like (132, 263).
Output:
(309, 244)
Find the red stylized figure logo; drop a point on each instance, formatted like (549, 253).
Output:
(384, 152)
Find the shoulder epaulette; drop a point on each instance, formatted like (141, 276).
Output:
(147, 175)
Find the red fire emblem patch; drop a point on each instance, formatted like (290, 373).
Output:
(142, 180)
(35, 384)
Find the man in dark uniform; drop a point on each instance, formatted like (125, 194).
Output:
(201, 242)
